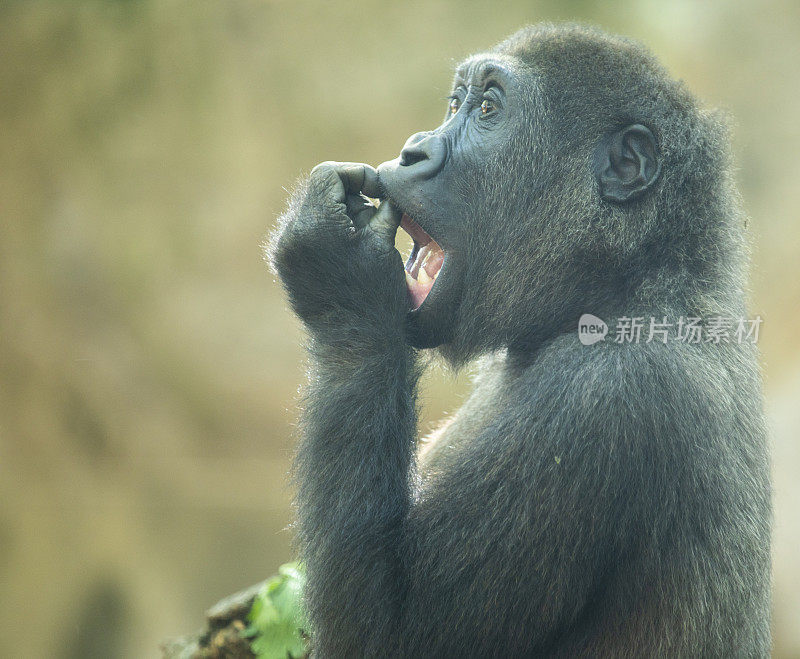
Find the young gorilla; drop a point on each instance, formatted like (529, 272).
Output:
(604, 500)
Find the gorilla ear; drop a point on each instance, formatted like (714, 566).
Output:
(628, 163)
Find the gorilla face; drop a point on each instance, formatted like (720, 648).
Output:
(510, 200)
(427, 183)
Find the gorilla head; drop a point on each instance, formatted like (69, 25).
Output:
(559, 182)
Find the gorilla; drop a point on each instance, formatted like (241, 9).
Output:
(605, 500)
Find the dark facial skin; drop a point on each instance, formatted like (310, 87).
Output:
(483, 107)
(610, 500)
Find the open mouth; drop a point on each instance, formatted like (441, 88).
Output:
(424, 263)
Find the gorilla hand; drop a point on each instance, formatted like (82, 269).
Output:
(335, 252)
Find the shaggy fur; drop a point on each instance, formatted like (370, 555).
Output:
(587, 501)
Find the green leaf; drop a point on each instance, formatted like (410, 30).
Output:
(278, 623)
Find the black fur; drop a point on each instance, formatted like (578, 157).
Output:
(599, 501)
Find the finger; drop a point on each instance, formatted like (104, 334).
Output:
(350, 178)
(327, 174)
(360, 210)
(385, 221)
(359, 178)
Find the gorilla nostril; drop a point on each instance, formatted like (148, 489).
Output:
(410, 157)
(423, 154)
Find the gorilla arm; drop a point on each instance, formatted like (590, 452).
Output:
(345, 280)
(352, 472)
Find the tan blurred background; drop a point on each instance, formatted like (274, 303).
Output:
(148, 364)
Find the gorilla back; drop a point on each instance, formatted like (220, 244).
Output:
(588, 500)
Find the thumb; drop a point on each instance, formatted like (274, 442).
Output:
(385, 222)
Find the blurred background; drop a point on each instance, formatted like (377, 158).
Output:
(148, 365)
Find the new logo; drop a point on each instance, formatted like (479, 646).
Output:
(591, 329)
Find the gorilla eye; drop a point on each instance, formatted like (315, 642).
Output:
(487, 107)
(454, 105)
